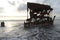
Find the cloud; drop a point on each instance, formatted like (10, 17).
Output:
(54, 4)
(12, 3)
(1, 9)
(22, 7)
(40, 1)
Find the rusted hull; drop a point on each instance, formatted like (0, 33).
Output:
(35, 24)
(39, 15)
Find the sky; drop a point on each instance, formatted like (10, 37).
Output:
(14, 7)
(18, 7)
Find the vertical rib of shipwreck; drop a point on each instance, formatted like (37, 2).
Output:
(39, 13)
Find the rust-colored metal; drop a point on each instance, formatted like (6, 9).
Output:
(39, 14)
(38, 7)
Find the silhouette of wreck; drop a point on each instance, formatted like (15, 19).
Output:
(39, 15)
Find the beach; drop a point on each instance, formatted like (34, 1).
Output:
(14, 30)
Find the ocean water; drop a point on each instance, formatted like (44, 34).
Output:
(14, 30)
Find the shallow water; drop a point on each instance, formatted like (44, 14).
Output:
(14, 30)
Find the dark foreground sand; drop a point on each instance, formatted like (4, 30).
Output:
(15, 30)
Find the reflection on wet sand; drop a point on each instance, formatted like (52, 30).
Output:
(15, 30)
(10, 26)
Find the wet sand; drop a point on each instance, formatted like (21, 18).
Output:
(14, 30)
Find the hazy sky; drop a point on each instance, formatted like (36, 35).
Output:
(17, 7)
(14, 7)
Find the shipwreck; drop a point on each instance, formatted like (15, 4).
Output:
(39, 15)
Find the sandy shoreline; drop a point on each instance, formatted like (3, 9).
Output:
(14, 30)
